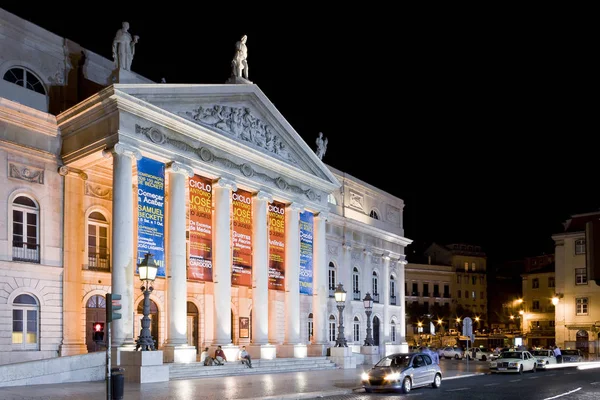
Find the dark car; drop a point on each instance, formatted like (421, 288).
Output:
(402, 371)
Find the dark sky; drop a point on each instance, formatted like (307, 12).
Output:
(484, 121)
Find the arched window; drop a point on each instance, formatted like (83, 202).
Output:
(331, 279)
(24, 77)
(97, 240)
(393, 331)
(310, 327)
(25, 230)
(25, 326)
(373, 214)
(375, 281)
(96, 302)
(356, 330)
(355, 284)
(331, 199)
(332, 328)
(392, 291)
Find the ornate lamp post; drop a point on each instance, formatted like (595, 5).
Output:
(368, 303)
(147, 269)
(340, 299)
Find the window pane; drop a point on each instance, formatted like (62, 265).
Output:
(32, 219)
(14, 75)
(31, 322)
(17, 337)
(24, 299)
(17, 216)
(25, 201)
(92, 241)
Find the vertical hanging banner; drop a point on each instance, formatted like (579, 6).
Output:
(241, 238)
(151, 212)
(306, 252)
(276, 246)
(200, 258)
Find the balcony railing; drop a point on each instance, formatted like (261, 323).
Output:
(29, 252)
(99, 262)
(375, 297)
(436, 294)
(393, 300)
(414, 294)
(356, 295)
(446, 295)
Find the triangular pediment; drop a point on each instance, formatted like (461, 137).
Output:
(241, 115)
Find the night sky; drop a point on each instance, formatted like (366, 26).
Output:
(482, 121)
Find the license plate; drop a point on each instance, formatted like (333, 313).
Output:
(501, 369)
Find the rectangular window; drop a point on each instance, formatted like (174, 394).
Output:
(580, 276)
(425, 290)
(332, 331)
(551, 282)
(393, 332)
(447, 291)
(536, 305)
(580, 246)
(535, 283)
(466, 266)
(473, 296)
(552, 324)
(457, 278)
(436, 290)
(581, 306)
(473, 266)
(310, 330)
(481, 295)
(474, 280)
(415, 289)
(357, 332)
(459, 294)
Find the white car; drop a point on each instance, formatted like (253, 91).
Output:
(514, 361)
(544, 358)
(480, 353)
(451, 352)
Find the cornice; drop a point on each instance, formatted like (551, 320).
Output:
(30, 151)
(377, 232)
(28, 118)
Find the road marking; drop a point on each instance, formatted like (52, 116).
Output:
(595, 383)
(564, 394)
(533, 377)
(570, 373)
(456, 390)
(550, 374)
(491, 384)
(516, 380)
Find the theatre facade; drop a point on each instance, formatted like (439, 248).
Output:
(251, 231)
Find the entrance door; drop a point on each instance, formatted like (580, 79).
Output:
(375, 331)
(192, 321)
(95, 311)
(582, 341)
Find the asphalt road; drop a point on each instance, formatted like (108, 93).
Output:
(563, 384)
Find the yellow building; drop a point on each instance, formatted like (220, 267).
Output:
(537, 310)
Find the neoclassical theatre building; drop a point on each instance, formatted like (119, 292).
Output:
(251, 231)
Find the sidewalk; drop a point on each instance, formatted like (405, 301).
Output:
(291, 385)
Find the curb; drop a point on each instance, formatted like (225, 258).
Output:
(306, 395)
(462, 376)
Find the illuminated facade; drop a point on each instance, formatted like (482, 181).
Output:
(250, 229)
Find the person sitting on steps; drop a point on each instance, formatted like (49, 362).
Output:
(245, 357)
(220, 356)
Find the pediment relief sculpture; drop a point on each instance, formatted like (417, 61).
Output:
(356, 200)
(240, 123)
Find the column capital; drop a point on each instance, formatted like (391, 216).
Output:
(263, 195)
(64, 171)
(179, 168)
(347, 246)
(225, 183)
(322, 215)
(123, 149)
(368, 251)
(386, 256)
(296, 206)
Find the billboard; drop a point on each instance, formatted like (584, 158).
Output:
(200, 256)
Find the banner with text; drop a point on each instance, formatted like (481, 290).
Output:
(151, 212)
(306, 252)
(241, 238)
(200, 261)
(276, 246)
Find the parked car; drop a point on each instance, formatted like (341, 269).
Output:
(402, 371)
(480, 353)
(571, 355)
(451, 352)
(514, 361)
(544, 357)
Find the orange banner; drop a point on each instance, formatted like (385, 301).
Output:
(276, 246)
(200, 257)
(241, 238)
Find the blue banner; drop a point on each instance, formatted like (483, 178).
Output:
(151, 212)
(306, 253)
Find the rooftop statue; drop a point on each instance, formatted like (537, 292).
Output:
(240, 62)
(321, 146)
(123, 48)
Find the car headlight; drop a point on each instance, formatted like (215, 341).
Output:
(513, 364)
(394, 376)
(493, 364)
(364, 376)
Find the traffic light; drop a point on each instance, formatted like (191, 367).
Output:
(98, 331)
(113, 303)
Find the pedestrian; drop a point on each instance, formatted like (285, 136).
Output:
(558, 354)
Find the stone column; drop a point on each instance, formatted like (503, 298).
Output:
(222, 190)
(386, 297)
(176, 348)
(345, 277)
(292, 280)
(260, 277)
(123, 248)
(73, 258)
(320, 286)
(402, 303)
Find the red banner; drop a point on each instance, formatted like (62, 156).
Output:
(200, 261)
(241, 238)
(276, 246)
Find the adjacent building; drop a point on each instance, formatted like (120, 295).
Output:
(251, 231)
(537, 311)
(578, 300)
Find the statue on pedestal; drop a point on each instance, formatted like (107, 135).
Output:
(239, 62)
(123, 48)
(321, 146)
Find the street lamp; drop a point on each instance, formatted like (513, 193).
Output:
(340, 299)
(368, 303)
(147, 269)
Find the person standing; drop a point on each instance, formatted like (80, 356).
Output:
(558, 354)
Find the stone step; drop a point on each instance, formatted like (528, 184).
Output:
(278, 365)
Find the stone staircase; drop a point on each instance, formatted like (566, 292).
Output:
(259, 366)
